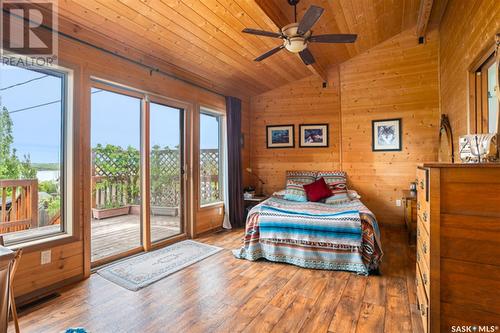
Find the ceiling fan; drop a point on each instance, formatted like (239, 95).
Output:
(296, 36)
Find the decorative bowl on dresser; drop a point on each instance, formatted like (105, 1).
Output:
(458, 245)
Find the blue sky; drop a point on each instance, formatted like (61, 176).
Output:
(115, 118)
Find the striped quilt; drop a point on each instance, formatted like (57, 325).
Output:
(313, 235)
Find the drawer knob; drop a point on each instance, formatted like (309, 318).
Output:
(424, 216)
(424, 248)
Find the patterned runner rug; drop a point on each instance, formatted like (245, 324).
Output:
(140, 271)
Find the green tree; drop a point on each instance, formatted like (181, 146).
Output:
(10, 165)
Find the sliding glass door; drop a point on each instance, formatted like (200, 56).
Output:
(166, 160)
(116, 196)
(137, 159)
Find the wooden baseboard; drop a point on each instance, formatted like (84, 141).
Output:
(43, 292)
(208, 232)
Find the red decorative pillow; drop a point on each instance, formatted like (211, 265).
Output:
(317, 190)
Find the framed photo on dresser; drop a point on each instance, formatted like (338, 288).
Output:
(313, 135)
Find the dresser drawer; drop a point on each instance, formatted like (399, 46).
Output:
(423, 249)
(423, 194)
(422, 304)
(424, 215)
(423, 275)
(422, 229)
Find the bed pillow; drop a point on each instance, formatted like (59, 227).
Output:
(338, 199)
(295, 191)
(304, 177)
(353, 194)
(336, 180)
(317, 190)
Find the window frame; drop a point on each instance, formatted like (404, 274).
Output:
(222, 155)
(478, 114)
(67, 230)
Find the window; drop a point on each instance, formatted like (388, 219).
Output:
(35, 153)
(211, 157)
(484, 104)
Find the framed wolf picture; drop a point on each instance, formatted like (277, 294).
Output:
(386, 135)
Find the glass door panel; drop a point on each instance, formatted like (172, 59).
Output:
(166, 159)
(116, 196)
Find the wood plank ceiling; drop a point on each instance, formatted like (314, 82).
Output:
(201, 40)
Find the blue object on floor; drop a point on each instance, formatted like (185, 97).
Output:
(76, 330)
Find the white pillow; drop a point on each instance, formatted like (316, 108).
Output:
(280, 192)
(353, 194)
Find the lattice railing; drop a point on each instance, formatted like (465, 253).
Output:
(116, 176)
(165, 177)
(209, 176)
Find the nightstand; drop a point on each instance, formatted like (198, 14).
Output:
(410, 214)
(249, 203)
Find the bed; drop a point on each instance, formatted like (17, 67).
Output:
(314, 235)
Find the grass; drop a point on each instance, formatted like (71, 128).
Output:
(46, 166)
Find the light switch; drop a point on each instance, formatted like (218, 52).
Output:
(398, 203)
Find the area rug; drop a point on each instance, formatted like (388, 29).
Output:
(140, 271)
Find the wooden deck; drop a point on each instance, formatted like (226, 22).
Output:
(115, 235)
(225, 294)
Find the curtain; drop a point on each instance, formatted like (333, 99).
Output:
(234, 173)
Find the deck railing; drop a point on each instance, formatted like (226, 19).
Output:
(19, 205)
(116, 181)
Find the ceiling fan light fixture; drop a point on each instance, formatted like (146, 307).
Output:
(295, 44)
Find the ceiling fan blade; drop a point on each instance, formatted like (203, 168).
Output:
(307, 57)
(270, 53)
(310, 18)
(262, 33)
(334, 38)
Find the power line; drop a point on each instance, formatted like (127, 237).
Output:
(45, 104)
(35, 106)
(25, 82)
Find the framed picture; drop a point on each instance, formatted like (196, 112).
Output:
(313, 135)
(280, 136)
(386, 135)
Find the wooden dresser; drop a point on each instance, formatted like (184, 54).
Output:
(458, 245)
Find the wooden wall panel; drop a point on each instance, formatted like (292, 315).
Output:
(398, 78)
(467, 30)
(395, 79)
(303, 102)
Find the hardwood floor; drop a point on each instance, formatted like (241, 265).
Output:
(224, 294)
(122, 233)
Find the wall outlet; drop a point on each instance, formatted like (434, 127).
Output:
(398, 203)
(45, 257)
